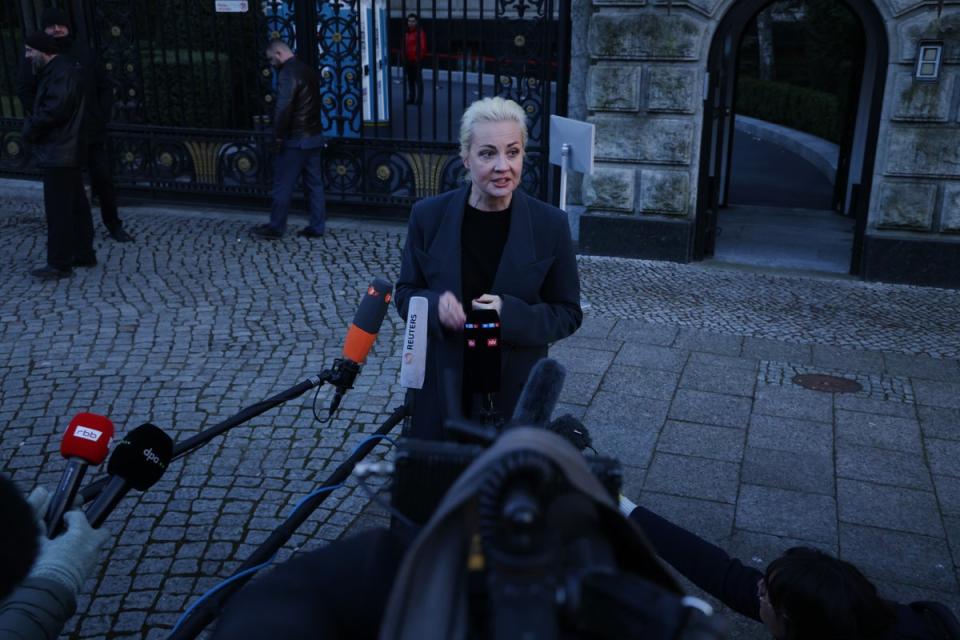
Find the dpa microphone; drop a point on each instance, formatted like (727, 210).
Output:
(540, 393)
(86, 442)
(137, 462)
(360, 337)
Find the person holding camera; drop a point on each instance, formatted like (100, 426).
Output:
(805, 594)
(488, 246)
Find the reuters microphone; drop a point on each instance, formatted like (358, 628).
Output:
(137, 462)
(86, 442)
(361, 335)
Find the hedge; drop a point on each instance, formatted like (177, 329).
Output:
(800, 108)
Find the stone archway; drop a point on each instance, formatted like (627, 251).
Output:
(718, 118)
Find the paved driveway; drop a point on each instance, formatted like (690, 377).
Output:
(682, 372)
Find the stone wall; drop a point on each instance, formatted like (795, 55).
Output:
(642, 74)
(917, 175)
(643, 93)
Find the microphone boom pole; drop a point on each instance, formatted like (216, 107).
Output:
(244, 415)
(210, 608)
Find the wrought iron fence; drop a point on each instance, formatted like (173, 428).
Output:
(193, 92)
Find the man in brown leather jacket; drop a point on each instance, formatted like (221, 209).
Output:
(55, 129)
(298, 140)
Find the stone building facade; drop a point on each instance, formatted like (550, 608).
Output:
(655, 77)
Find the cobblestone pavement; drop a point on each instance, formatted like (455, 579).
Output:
(684, 372)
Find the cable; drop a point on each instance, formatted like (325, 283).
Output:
(316, 416)
(220, 585)
(307, 497)
(386, 505)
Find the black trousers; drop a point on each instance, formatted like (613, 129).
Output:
(101, 183)
(69, 222)
(414, 73)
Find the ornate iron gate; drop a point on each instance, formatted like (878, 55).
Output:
(194, 93)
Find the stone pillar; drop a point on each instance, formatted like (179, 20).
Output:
(643, 93)
(913, 229)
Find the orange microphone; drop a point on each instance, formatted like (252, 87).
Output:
(361, 335)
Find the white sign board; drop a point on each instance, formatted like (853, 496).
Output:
(579, 135)
(231, 6)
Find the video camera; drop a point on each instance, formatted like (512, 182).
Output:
(523, 538)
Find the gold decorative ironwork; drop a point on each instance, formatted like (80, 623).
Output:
(109, 66)
(506, 81)
(384, 172)
(427, 171)
(268, 98)
(266, 72)
(129, 68)
(115, 31)
(166, 159)
(341, 169)
(129, 157)
(13, 148)
(132, 92)
(531, 109)
(337, 37)
(274, 35)
(204, 155)
(244, 164)
(519, 40)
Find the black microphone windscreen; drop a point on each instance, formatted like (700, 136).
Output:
(540, 393)
(142, 456)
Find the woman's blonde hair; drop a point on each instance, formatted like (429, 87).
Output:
(494, 109)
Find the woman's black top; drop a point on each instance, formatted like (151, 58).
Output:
(482, 238)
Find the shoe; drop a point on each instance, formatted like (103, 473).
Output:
(86, 262)
(49, 272)
(307, 232)
(118, 234)
(266, 231)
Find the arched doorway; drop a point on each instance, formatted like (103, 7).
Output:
(854, 171)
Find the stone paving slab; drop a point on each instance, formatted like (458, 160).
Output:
(671, 373)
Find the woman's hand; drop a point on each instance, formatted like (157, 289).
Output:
(450, 312)
(488, 301)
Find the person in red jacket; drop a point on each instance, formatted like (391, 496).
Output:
(414, 50)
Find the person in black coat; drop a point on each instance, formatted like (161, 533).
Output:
(487, 246)
(298, 142)
(805, 594)
(98, 95)
(55, 129)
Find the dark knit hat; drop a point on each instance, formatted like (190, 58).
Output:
(52, 16)
(42, 42)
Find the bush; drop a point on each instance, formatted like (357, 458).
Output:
(800, 108)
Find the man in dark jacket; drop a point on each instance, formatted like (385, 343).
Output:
(298, 139)
(98, 94)
(55, 129)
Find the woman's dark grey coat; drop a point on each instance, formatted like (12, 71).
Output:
(537, 280)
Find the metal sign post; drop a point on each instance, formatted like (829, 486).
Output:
(571, 147)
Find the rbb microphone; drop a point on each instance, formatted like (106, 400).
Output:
(137, 462)
(413, 362)
(360, 337)
(540, 393)
(86, 442)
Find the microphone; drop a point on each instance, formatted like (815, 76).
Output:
(540, 393)
(413, 363)
(481, 353)
(137, 462)
(86, 442)
(360, 338)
